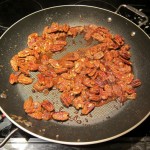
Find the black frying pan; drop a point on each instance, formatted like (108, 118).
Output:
(107, 122)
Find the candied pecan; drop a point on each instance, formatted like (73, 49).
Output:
(28, 104)
(64, 27)
(37, 106)
(129, 89)
(32, 38)
(99, 37)
(73, 56)
(94, 90)
(63, 84)
(86, 71)
(44, 59)
(132, 96)
(53, 28)
(111, 78)
(13, 78)
(24, 79)
(104, 95)
(102, 67)
(56, 27)
(126, 47)
(103, 102)
(54, 63)
(94, 97)
(47, 105)
(36, 115)
(33, 66)
(118, 39)
(117, 90)
(88, 82)
(60, 42)
(48, 82)
(125, 55)
(78, 102)
(66, 98)
(77, 89)
(38, 87)
(66, 76)
(78, 66)
(60, 70)
(89, 64)
(89, 30)
(135, 83)
(43, 68)
(128, 78)
(45, 81)
(60, 116)
(67, 64)
(84, 94)
(73, 31)
(14, 63)
(96, 63)
(108, 89)
(92, 72)
(87, 108)
(25, 52)
(31, 106)
(55, 47)
(108, 56)
(126, 61)
(46, 115)
(110, 44)
(98, 55)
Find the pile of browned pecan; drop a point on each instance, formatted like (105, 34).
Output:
(88, 77)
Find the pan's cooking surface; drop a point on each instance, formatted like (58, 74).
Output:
(106, 120)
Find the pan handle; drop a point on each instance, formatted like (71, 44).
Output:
(8, 137)
(136, 11)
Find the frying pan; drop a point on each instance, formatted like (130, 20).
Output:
(105, 123)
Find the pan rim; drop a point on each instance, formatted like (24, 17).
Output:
(65, 142)
(74, 6)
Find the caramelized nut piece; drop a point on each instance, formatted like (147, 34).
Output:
(66, 98)
(28, 103)
(72, 56)
(54, 63)
(36, 115)
(135, 83)
(88, 107)
(13, 78)
(46, 115)
(24, 79)
(60, 116)
(47, 105)
(78, 102)
(14, 63)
